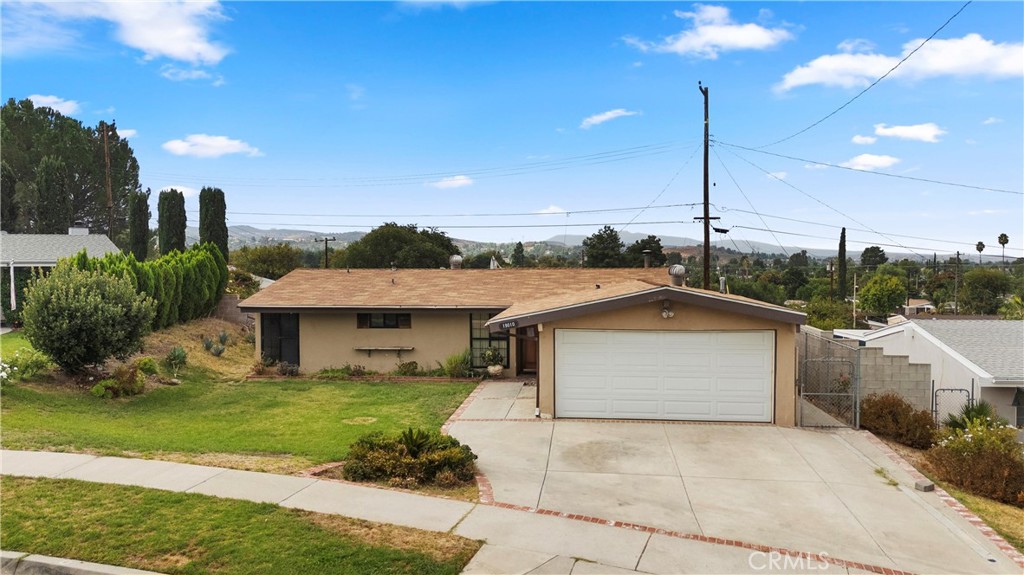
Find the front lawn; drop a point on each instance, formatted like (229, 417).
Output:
(312, 420)
(188, 533)
(11, 342)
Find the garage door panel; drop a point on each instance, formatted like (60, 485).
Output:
(709, 376)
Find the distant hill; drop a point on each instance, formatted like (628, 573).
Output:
(239, 236)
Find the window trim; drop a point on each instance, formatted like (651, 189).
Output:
(497, 339)
(365, 320)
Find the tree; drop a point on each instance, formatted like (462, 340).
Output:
(81, 318)
(603, 249)
(674, 258)
(980, 247)
(1003, 240)
(8, 208)
(873, 256)
(842, 265)
(825, 314)
(1013, 308)
(138, 224)
(799, 260)
(172, 221)
(54, 208)
(482, 260)
(401, 245)
(883, 294)
(634, 256)
(271, 262)
(518, 256)
(213, 225)
(983, 290)
(793, 279)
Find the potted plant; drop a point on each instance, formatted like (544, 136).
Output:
(494, 360)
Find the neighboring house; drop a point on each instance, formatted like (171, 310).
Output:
(43, 250)
(918, 307)
(603, 343)
(984, 356)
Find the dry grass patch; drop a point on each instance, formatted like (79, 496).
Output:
(236, 361)
(281, 464)
(438, 546)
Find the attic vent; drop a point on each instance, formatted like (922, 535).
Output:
(455, 262)
(678, 274)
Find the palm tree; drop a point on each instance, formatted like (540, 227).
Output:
(979, 247)
(1003, 240)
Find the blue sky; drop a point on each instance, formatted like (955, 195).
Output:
(338, 116)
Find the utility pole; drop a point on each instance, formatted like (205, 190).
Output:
(110, 193)
(831, 278)
(707, 210)
(325, 240)
(956, 285)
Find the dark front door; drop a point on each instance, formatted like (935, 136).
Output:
(526, 349)
(279, 334)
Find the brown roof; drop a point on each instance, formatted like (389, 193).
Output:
(434, 289)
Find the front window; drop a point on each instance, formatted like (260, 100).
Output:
(481, 338)
(384, 321)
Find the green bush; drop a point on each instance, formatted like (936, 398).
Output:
(980, 410)
(26, 363)
(176, 359)
(217, 350)
(492, 356)
(459, 364)
(126, 380)
(415, 457)
(81, 318)
(345, 371)
(223, 338)
(207, 343)
(982, 458)
(407, 368)
(889, 415)
(147, 365)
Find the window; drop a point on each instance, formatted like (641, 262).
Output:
(384, 320)
(481, 338)
(279, 337)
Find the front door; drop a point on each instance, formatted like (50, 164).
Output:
(526, 349)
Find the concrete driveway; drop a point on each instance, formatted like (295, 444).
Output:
(802, 490)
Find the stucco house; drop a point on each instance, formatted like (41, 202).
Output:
(602, 343)
(983, 356)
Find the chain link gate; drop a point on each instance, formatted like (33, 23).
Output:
(829, 382)
(947, 401)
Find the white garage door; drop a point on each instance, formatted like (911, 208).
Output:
(674, 375)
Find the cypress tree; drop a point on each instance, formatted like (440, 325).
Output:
(8, 210)
(842, 264)
(138, 224)
(54, 206)
(213, 226)
(172, 221)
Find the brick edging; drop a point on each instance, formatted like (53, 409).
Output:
(989, 533)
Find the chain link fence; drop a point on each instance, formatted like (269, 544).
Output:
(829, 382)
(946, 401)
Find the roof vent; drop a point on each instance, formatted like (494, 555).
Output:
(678, 274)
(78, 231)
(455, 262)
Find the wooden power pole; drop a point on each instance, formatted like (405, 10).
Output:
(707, 212)
(326, 259)
(110, 193)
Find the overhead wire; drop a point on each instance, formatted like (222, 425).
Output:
(745, 197)
(458, 215)
(663, 189)
(464, 227)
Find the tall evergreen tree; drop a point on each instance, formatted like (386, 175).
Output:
(54, 202)
(138, 224)
(842, 264)
(518, 256)
(213, 225)
(172, 221)
(8, 209)
(603, 249)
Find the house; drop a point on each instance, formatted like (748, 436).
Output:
(43, 250)
(918, 307)
(602, 343)
(985, 357)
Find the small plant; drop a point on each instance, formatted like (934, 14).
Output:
(147, 365)
(25, 363)
(287, 369)
(415, 441)
(223, 337)
(217, 350)
(407, 368)
(207, 343)
(881, 472)
(6, 371)
(258, 368)
(176, 359)
(126, 381)
(492, 356)
(981, 410)
(458, 364)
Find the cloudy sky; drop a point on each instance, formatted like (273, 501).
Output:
(531, 120)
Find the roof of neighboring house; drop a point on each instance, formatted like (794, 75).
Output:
(995, 345)
(919, 302)
(614, 296)
(26, 250)
(433, 288)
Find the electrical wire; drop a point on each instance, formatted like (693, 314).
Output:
(852, 241)
(658, 197)
(481, 215)
(749, 203)
(461, 227)
(873, 84)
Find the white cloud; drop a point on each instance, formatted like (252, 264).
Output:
(603, 117)
(127, 133)
(992, 120)
(185, 190)
(815, 167)
(713, 31)
(971, 142)
(986, 212)
(551, 210)
(863, 140)
(452, 182)
(176, 74)
(355, 92)
(66, 107)
(853, 45)
(969, 56)
(777, 175)
(206, 146)
(870, 162)
(928, 132)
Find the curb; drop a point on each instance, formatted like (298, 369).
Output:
(17, 563)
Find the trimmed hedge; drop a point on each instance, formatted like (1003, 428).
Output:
(889, 415)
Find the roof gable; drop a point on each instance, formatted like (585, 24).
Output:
(25, 250)
(996, 346)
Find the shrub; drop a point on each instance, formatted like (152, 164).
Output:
(126, 380)
(81, 318)
(176, 359)
(414, 457)
(981, 410)
(207, 343)
(6, 371)
(983, 459)
(146, 365)
(407, 368)
(492, 356)
(459, 364)
(223, 337)
(891, 416)
(289, 369)
(25, 363)
(345, 371)
(217, 350)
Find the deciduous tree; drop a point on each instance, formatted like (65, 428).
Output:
(883, 294)
(271, 262)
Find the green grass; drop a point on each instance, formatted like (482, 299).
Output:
(1007, 520)
(187, 533)
(316, 420)
(12, 342)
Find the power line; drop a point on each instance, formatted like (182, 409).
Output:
(886, 174)
(658, 197)
(462, 227)
(924, 258)
(749, 203)
(873, 84)
(482, 215)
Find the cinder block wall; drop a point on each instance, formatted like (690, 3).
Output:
(880, 373)
(227, 310)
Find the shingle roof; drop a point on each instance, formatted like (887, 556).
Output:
(440, 288)
(46, 249)
(997, 346)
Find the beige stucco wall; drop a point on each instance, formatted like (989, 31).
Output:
(328, 339)
(687, 318)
